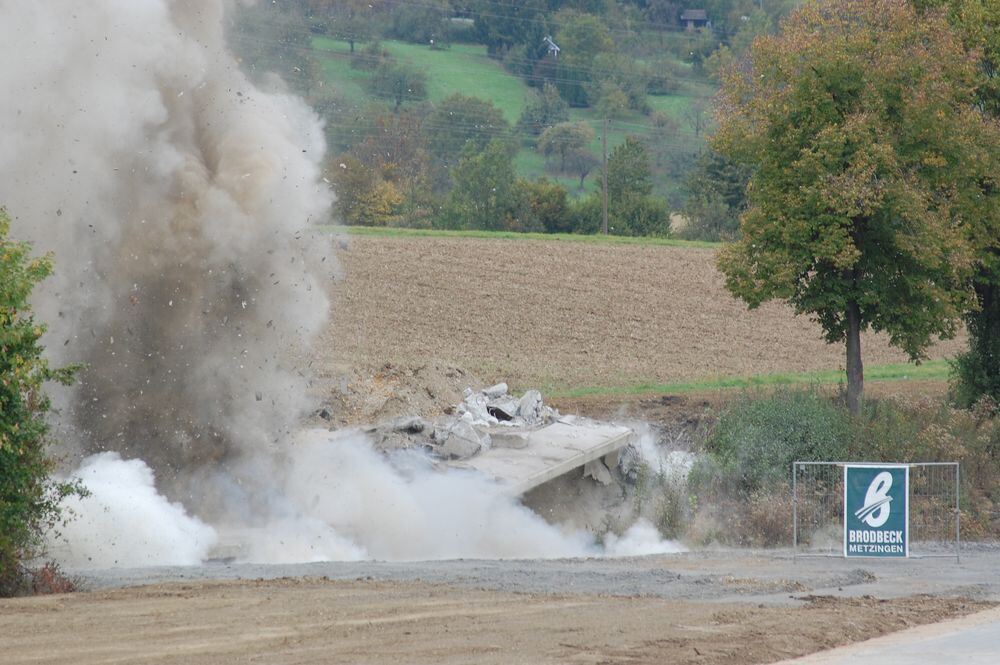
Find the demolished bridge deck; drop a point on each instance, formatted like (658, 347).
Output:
(547, 453)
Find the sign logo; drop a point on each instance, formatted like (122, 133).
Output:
(876, 510)
(877, 506)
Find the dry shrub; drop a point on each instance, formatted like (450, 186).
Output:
(50, 579)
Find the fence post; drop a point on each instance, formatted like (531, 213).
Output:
(795, 512)
(958, 518)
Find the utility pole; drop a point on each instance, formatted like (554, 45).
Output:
(604, 145)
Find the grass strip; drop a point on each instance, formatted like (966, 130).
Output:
(932, 370)
(394, 232)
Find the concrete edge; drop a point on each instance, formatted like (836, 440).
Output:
(839, 655)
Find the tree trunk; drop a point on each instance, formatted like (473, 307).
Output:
(855, 368)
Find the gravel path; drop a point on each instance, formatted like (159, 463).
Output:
(770, 577)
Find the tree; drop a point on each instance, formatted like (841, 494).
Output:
(459, 122)
(696, 117)
(621, 72)
(487, 192)
(273, 39)
(581, 163)
(549, 206)
(609, 100)
(629, 173)
(394, 148)
(868, 162)
(422, 23)
(511, 24)
(662, 141)
(582, 37)
(758, 23)
(976, 373)
(718, 197)
(364, 197)
(662, 13)
(29, 500)
(543, 110)
(632, 208)
(398, 83)
(564, 139)
(349, 20)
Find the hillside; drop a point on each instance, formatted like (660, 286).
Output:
(467, 69)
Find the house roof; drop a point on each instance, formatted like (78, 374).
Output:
(694, 15)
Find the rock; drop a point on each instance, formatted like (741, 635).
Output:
(386, 441)
(460, 441)
(497, 391)
(476, 405)
(530, 406)
(409, 425)
(503, 408)
(598, 471)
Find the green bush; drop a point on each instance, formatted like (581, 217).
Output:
(758, 437)
(745, 471)
(29, 500)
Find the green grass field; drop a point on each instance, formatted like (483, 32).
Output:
(934, 370)
(463, 68)
(393, 232)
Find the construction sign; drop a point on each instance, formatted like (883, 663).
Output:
(876, 510)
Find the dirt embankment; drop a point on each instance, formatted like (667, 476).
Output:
(417, 319)
(319, 621)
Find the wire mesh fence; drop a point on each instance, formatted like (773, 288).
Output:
(818, 509)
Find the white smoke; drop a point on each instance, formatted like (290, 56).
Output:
(405, 509)
(640, 539)
(336, 499)
(125, 522)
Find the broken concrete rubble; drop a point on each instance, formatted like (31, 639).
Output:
(518, 441)
(495, 392)
(459, 441)
(493, 406)
(530, 407)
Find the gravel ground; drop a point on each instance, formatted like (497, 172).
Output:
(313, 620)
(708, 607)
(756, 576)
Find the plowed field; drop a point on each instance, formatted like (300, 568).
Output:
(558, 315)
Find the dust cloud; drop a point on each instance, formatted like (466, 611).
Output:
(126, 523)
(179, 200)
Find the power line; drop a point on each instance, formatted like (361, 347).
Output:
(654, 26)
(302, 76)
(376, 58)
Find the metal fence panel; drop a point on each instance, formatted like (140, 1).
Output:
(818, 509)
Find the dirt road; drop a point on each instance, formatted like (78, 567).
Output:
(322, 621)
(730, 606)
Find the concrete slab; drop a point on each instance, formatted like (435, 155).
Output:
(550, 452)
(970, 640)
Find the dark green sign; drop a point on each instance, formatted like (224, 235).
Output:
(876, 510)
